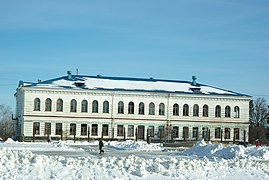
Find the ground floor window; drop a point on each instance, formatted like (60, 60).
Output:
(73, 129)
(175, 132)
(227, 133)
(130, 130)
(205, 133)
(120, 130)
(236, 133)
(185, 133)
(217, 132)
(151, 131)
(83, 130)
(195, 131)
(161, 132)
(58, 129)
(47, 128)
(105, 130)
(36, 128)
(94, 129)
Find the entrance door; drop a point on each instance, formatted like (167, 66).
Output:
(141, 132)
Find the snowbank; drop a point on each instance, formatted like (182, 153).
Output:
(134, 145)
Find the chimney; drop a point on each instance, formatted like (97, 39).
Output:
(194, 81)
(69, 77)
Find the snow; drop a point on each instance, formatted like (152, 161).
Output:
(130, 160)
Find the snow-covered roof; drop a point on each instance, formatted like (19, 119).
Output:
(129, 84)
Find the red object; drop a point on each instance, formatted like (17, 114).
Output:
(258, 143)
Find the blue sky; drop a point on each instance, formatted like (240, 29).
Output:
(225, 43)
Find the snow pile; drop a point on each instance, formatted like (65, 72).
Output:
(211, 151)
(9, 141)
(134, 145)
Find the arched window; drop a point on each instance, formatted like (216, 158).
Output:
(131, 108)
(236, 112)
(37, 104)
(227, 111)
(95, 106)
(186, 110)
(151, 109)
(141, 108)
(84, 106)
(205, 110)
(218, 111)
(161, 109)
(175, 109)
(73, 105)
(120, 107)
(59, 105)
(105, 107)
(48, 104)
(195, 110)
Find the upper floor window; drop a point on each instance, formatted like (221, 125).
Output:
(120, 107)
(131, 108)
(186, 110)
(84, 106)
(236, 112)
(141, 108)
(95, 106)
(48, 104)
(105, 107)
(195, 110)
(227, 111)
(175, 109)
(205, 110)
(218, 111)
(59, 105)
(73, 105)
(161, 109)
(151, 109)
(37, 104)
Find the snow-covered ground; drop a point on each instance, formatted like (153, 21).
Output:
(131, 160)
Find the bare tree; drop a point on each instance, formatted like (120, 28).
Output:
(7, 128)
(259, 112)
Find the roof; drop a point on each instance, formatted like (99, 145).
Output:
(129, 84)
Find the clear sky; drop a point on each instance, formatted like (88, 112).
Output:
(225, 43)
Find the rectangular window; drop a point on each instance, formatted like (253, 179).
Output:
(130, 130)
(161, 132)
(227, 133)
(94, 129)
(83, 130)
(36, 128)
(175, 132)
(205, 133)
(105, 130)
(236, 133)
(195, 131)
(151, 131)
(185, 132)
(47, 128)
(120, 130)
(58, 130)
(72, 129)
(217, 132)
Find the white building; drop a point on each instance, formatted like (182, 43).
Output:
(90, 107)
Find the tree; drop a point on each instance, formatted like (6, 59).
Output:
(7, 125)
(259, 112)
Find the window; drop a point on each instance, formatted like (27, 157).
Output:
(95, 106)
(72, 129)
(161, 109)
(236, 133)
(175, 132)
(105, 107)
(120, 130)
(161, 132)
(94, 129)
(236, 112)
(175, 109)
(59, 105)
(205, 110)
(205, 133)
(48, 104)
(195, 131)
(84, 106)
(151, 109)
(195, 110)
(120, 108)
(131, 108)
(73, 105)
(130, 130)
(105, 130)
(37, 104)
(47, 128)
(141, 108)
(227, 111)
(58, 130)
(186, 110)
(36, 128)
(218, 111)
(227, 133)
(185, 133)
(217, 132)
(83, 131)
(151, 131)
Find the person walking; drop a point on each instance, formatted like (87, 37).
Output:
(101, 145)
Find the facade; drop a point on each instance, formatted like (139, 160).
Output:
(89, 107)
